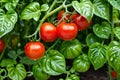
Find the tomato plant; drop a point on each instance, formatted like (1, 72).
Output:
(59, 39)
(67, 31)
(34, 50)
(48, 32)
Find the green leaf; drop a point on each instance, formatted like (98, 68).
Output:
(11, 4)
(71, 49)
(103, 30)
(12, 54)
(115, 3)
(7, 22)
(91, 38)
(101, 9)
(113, 55)
(84, 0)
(81, 63)
(3, 73)
(116, 31)
(44, 7)
(84, 8)
(72, 77)
(16, 73)
(97, 55)
(53, 63)
(38, 73)
(27, 61)
(31, 11)
(6, 62)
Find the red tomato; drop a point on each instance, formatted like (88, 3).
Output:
(81, 21)
(60, 15)
(48, 32)
(114, 74)
(67, 31)
(2, 45)
(34, 50)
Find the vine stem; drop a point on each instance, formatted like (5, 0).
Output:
(112, 38)
(48, 14)
(53, 45)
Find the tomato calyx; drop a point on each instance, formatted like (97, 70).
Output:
(64, 15)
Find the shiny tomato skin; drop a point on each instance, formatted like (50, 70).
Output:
(60, 15)
(2, 45)
(114, 74)
(34, 50)
(81, 21)
(67, 31)
(48, 32)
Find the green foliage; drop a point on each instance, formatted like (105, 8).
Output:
(97, 55)
(7, 21)
(73, 77)
(84, 8)
(81, 63)
(113, 55)
(53, 63)
(115, 3)
(91, 38)
(101, 9)
(103, 30)
(6, 62)
(38, 73)
(117, 32)
(17, 72)
(20, 22)
(31, 11)
(71, 49)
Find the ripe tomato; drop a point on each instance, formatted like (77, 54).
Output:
(48, 32)
(114, 74)
(81, 21)
(2, 45)
(34, 50)
(61, 13)
(67, 31)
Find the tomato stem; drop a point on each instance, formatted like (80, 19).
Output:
(112, 37)
(53, 4)
(109, 72)
(53, 45)
(48, 15)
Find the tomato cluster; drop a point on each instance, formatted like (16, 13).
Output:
(49, 32)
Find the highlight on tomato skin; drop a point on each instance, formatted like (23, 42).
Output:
(2, 45)
(67, 31)
(34, 50)
(81, 21)
(48, 32)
